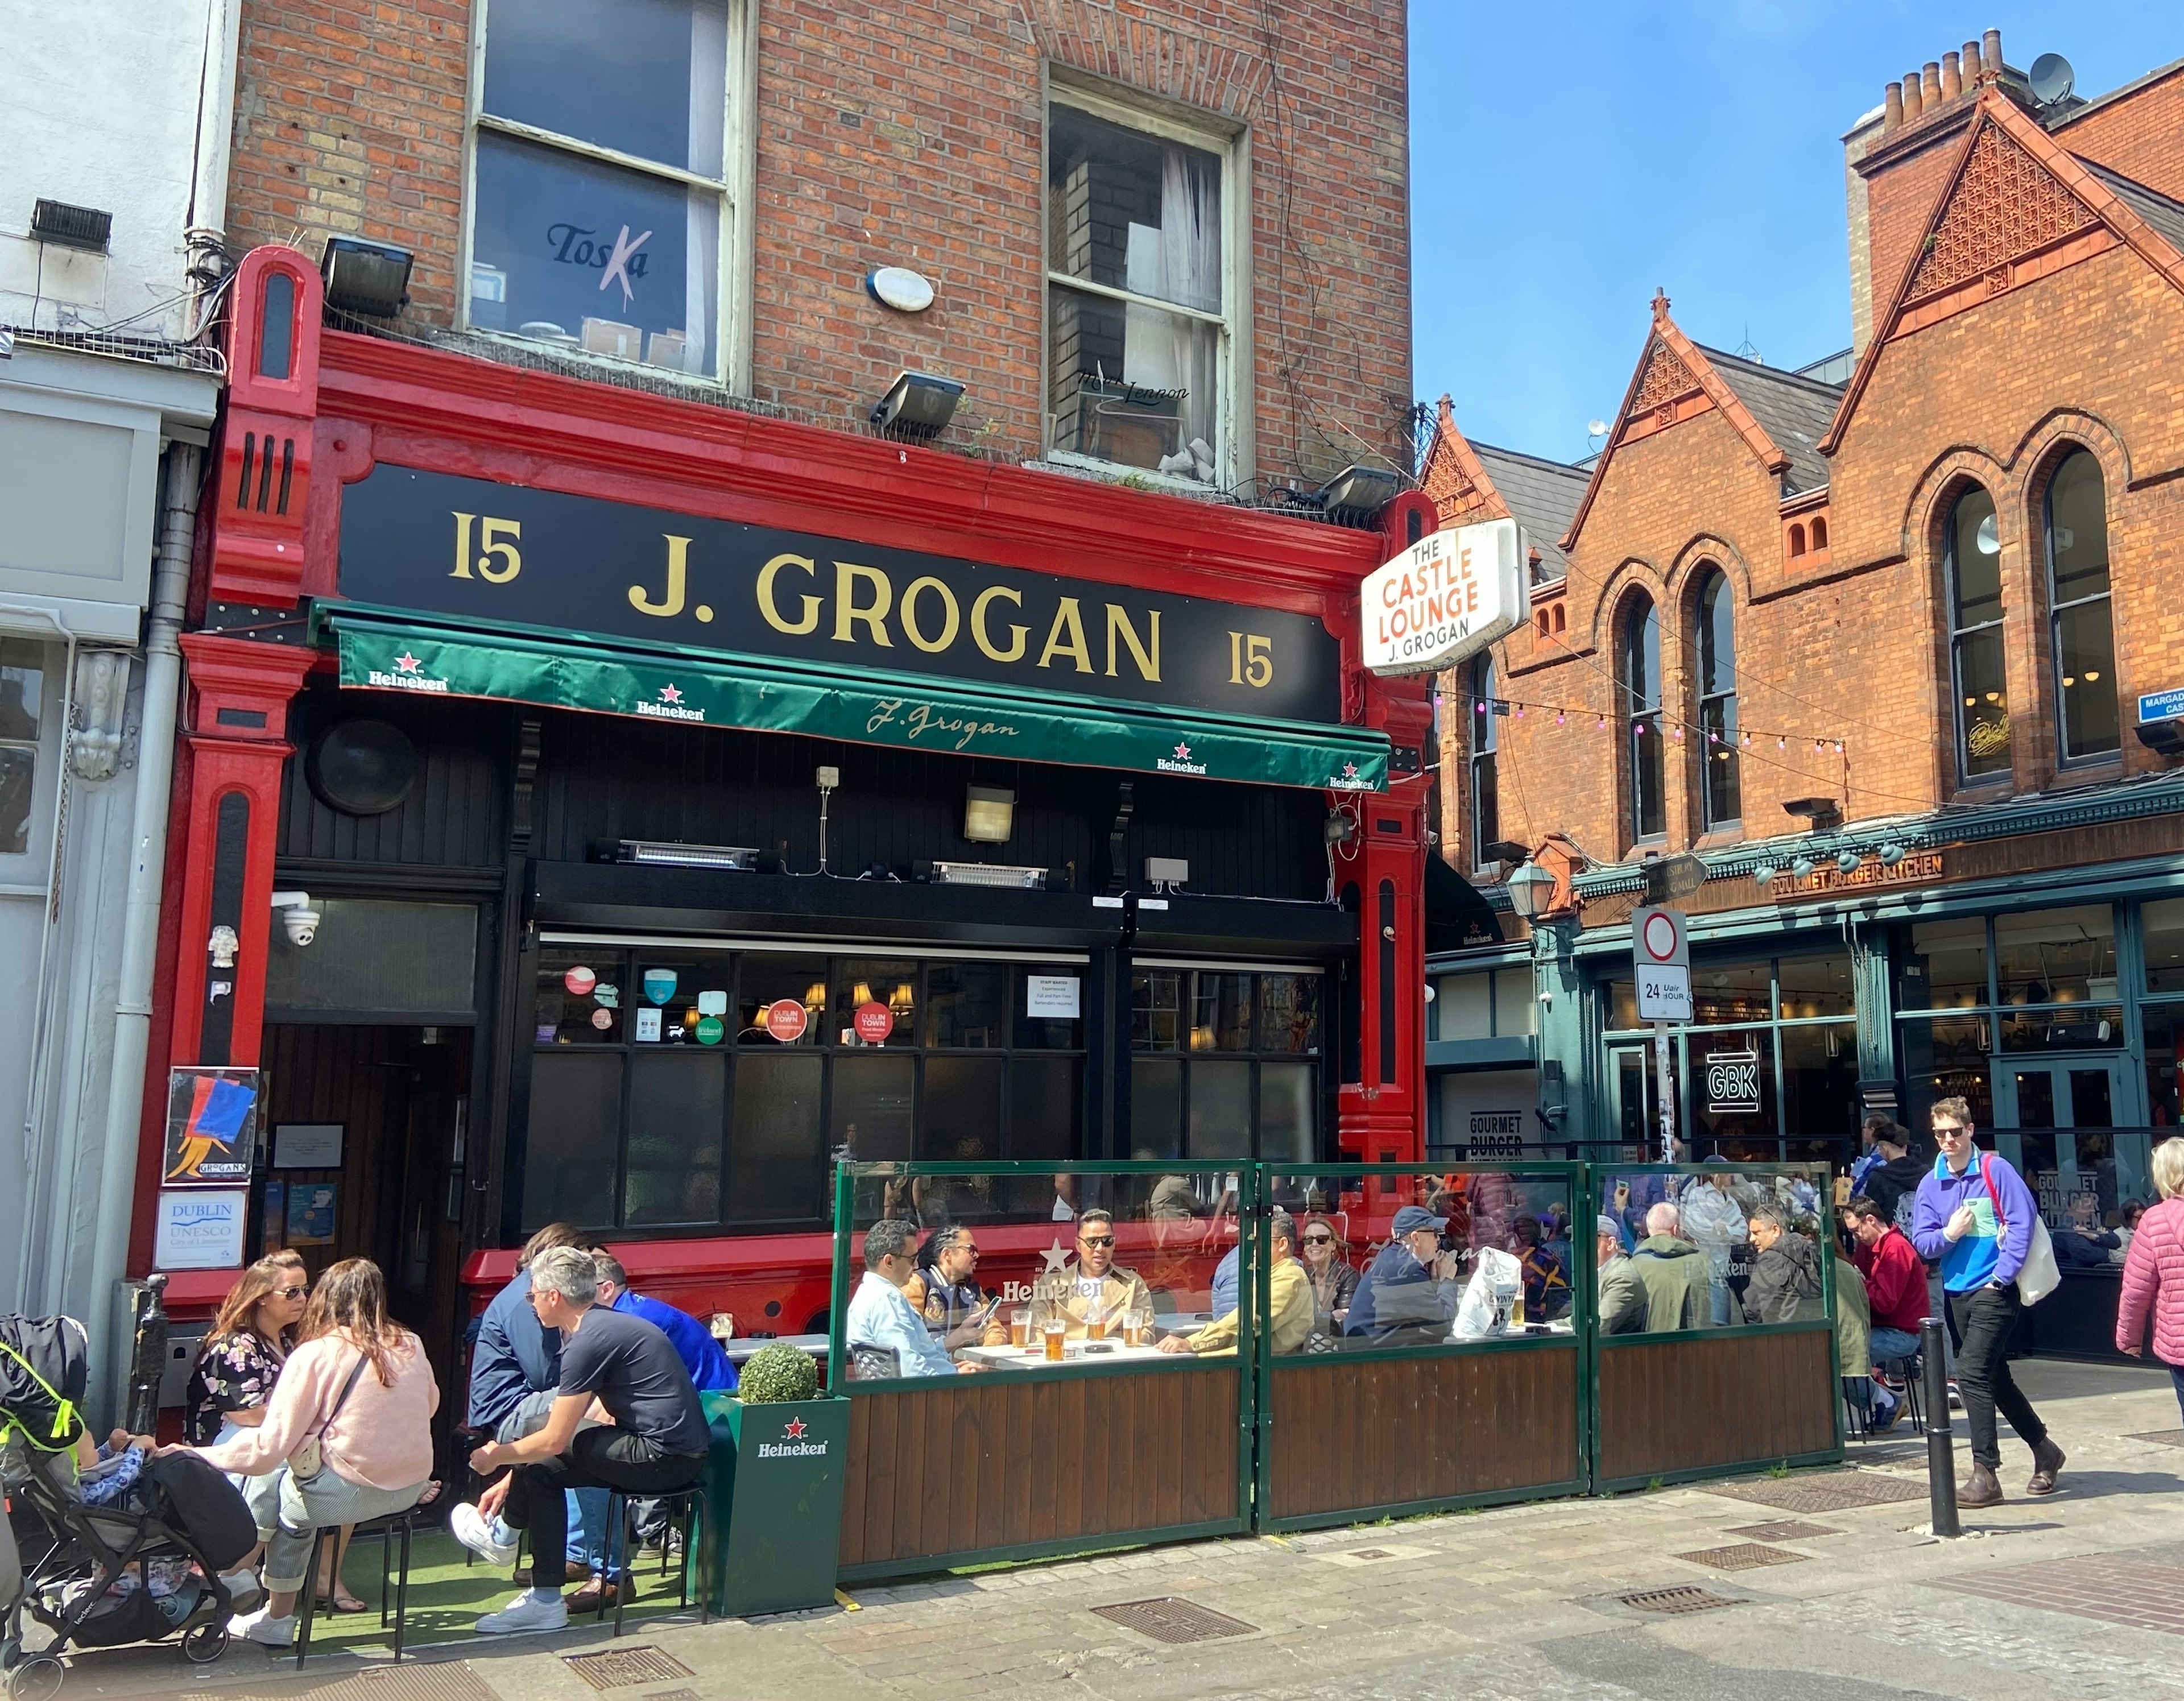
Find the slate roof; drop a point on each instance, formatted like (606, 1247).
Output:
(1542, 496)
(2165, 215)
(1794, 410)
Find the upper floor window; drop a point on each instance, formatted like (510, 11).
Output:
(1485, 801)
(30, 741)
(1642, 718)
(601, 196)
(1720, 794)
(1139, 294)
(1971, 550)
(2082, 625)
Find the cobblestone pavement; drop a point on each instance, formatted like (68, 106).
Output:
(2067, 1596)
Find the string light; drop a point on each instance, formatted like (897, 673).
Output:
(1662, 724)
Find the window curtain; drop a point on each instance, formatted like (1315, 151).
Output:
(1180, 262)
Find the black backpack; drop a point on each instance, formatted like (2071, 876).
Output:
(205, 1505)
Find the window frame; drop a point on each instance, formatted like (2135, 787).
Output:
(2057, 609)
(28, 872)
(735, 185)
(1231, 356)
(1715, 582)
(1952, 588)
(1483, 758)
(1637, 709)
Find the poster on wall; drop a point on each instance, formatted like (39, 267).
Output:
(311, 1213)
(200, 1230)
(307, 1145)
(212, 1127)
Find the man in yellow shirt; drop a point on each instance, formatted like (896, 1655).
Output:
(1289, 1294)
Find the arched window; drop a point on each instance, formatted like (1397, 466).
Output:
(1642, 718)
(1797, 540)
(1820, 532)
(1971, 550)
(2083, 626)
(1720, 794)
(1485, 801)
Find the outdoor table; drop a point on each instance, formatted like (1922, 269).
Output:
(1076, 1352)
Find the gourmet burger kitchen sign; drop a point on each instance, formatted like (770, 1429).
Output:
(1446, 597)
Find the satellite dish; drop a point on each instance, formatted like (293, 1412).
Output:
(2052, 79)
(1595, 428)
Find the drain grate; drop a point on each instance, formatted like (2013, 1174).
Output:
(409, 1681)
(1741, 1556)
(1370, 1554)
(1678, 1600)
(616, 1667)
(1830, 1491)
(1167, 1619)
(1783, 1530)
(2166, 1437)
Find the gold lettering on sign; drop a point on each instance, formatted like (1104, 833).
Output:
(951, 616)
(805, 623)
(1118, 624)
(1250, 661)
(1925, 866)
(1069, 620)
(848, 575)
(979, 635)
(495, 537)
(678, 570)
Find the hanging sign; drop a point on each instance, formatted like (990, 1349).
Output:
(786, 1020)
(1660, 960)
(1445, 598)
(873, 1022)
(1732, 1083)
(212, 1127)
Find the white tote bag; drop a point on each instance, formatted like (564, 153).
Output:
(2039, 1276)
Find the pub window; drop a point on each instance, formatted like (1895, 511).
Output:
(2081, 624)
(1140, 297)
(1640, 683)
(604, 160)
(1971, 548)
(29, 737)
(1719, 792)
(1485, 737)
(1224, 1063)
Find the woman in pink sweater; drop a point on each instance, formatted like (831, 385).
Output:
(359, 1385)
(2154, 1271)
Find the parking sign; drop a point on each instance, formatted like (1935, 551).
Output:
(1661, 960)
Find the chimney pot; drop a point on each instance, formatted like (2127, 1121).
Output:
(1991, 54)
(1972, 64)
(1930, 93)
(1892, 108)
(1912, 105)
(1952, 81)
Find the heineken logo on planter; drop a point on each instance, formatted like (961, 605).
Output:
(409, 675)
(669, 705)
(1180, 762)
(792, 1444)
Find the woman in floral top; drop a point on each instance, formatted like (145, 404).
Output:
(232, 1382)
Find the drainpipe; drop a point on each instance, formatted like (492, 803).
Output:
(140, 931)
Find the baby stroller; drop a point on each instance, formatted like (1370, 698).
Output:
(142, 1567)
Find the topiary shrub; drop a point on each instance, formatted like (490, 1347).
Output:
(778, 1372)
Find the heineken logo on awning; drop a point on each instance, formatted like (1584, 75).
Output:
(670, 706)
(1349, 779)
(409, 675)
(1180, 762)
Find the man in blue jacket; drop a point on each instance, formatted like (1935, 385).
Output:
(1409, 1291)
(1975, 1214)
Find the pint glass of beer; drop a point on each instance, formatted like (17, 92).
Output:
(1054, 1329)
(1020, 1327)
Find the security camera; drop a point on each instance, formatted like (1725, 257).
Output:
(298, 917)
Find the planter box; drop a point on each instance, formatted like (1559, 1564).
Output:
(773, 1517)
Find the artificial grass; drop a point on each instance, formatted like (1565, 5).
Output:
(447, 1598)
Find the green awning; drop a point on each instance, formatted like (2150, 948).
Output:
(390, 650)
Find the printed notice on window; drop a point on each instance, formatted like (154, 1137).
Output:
(1050, 995)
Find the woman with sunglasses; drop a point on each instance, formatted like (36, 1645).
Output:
(238, 1362)
(1333, 1280)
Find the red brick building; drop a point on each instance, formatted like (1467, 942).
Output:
(1875, 639)
(696, 769)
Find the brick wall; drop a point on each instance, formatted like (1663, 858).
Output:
(2141, 135)
(913, 134)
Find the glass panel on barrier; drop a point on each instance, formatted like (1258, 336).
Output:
(1429, 1258)
(1709, 1246)
(1035, 1266)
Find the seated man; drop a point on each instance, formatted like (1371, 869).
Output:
(1290, 1296)
(1785, 1272)
(2085, 1244)
(1097, 1280)
(711, 1368)
(654, 1441)
(1409, 1291)
(1674, 1274)
(1895, 1280)
(944, 1291)
(1622, 1295)
(880, 1316)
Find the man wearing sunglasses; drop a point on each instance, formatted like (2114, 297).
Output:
(1098, 1280)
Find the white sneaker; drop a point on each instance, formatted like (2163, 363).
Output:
(468, 1525)
(533, 1609)
(242, 1587)
(272, 1633)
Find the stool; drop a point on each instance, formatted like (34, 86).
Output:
(1911, 1372)
(621, 1507)
(1858, 1413)
(385, 1530)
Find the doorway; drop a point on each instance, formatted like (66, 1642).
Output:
(2056, 1121)
(1637, 1086)
(368, 1127)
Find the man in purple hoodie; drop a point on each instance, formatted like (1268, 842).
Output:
(1974, 1213)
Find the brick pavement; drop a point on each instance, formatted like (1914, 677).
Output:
(1519, 1602)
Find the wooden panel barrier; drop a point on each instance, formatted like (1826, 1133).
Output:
(1674, 1404)
(1351, 1438)
(971, 1465)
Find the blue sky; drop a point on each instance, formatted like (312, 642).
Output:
(1568, 157)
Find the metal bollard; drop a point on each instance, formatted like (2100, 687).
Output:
(1940, 1459)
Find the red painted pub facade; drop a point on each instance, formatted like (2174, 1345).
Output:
(688, 796)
